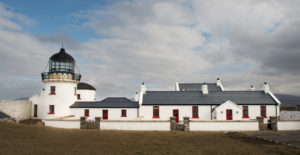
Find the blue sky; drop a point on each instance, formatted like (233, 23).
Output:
(55, 16)
(120, 44)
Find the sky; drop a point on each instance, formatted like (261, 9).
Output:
(118, 44)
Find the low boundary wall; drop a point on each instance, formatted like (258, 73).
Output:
(135, 125)
(214, 125)
(67, 124)
(17, 109)
(288, 125)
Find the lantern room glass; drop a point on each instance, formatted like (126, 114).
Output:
(67, 67)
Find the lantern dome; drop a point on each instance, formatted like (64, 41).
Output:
(61, 62)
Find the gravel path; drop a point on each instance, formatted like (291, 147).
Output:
(290, 138)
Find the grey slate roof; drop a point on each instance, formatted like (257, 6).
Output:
(213, 98)
(86, 86)
(198, 87)
(2, 115)
(110, 102)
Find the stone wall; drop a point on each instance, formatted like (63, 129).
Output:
(16, 109)
(290, 115)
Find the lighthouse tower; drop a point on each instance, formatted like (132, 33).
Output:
(60, 87)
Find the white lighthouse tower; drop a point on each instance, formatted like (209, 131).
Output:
(60, 88)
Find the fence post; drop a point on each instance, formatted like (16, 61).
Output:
(172, 123)
(273, 121)
(83, 122)
(260, 123)
(97, 122)
(186, 122)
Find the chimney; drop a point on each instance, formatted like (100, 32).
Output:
(204, 88)
(136, 97)
(266, 88)
(177, 87)
(252, 88)
(143, 88)
(220, 84)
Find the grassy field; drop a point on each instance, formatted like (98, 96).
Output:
(29, 139)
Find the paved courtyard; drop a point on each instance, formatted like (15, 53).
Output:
(291, 138)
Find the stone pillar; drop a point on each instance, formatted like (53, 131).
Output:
(97, 122)
(172, 124)
(260, 123)
(186, 123)
(83, 122)
(273, 121)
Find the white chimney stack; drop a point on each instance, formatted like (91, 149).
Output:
(143, 91)
(220, 84)
(176, 86)
(266, 88)
(136, 97)
(252, 88)
(204, 88)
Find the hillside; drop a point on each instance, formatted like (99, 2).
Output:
(288, 100)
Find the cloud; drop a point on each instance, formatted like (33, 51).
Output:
(163, 42)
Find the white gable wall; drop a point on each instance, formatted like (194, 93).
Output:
(221, 111)
(86, 95)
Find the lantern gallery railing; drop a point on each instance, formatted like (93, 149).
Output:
(62, 75)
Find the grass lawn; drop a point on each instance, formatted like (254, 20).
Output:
(29, 139)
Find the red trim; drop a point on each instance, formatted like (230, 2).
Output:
(264, 116)
(245, 117)
(155, 109)
(195, 117)
(122, 113)
(176, 111)
(155, 117)
(52, 94)
(51, 113)
(228, 117)
(105, 116)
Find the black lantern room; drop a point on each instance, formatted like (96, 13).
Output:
(61, 67)
(61, 62)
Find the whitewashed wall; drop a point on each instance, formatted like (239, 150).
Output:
(72, 124)
(113, 113)
(165, 112)
(135, 125)
(288, 125)
(224, 125)
(87, 95)
(17, 109)
(64, 97)
(221, 111)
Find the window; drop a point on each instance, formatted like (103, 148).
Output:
(155, 111)
(86, 112)
(51, 109)
(52, 90)
(263, 111)
(78, 97)
(75, 91)
(35, 110)
(123, 113)
(245, 112)
(195, 112)
(105, 114)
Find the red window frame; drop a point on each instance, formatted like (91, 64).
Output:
(245, 112)
(52, 90)
(263, 111)
(51, 109)
(195, 112)
(123, 113)
(86, 112)
(78, 97)
(155, 111)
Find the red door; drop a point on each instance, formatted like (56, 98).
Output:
(176, 114)
(228, 114)
(105, 114)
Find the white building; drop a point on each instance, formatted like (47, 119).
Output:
(64, 96)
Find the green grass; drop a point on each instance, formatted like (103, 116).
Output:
(29, 139)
